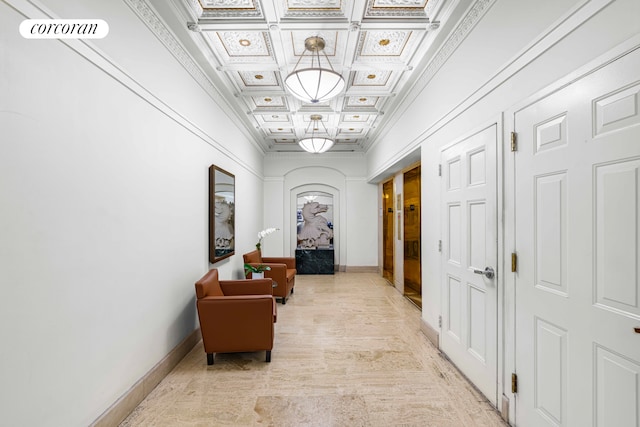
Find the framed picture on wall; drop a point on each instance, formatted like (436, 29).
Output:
(222, 192)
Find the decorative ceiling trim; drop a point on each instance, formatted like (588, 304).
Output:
(431, 6)
(314, 9)
(195, 7)
(394, 9)
(229, 5)
(228, 9)
(316, 5)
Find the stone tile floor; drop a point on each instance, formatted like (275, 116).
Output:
(348, 351)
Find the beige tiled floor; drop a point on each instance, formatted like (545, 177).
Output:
(348, 352)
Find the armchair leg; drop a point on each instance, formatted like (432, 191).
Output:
(209, 358)
(268, 356)
(284, 300)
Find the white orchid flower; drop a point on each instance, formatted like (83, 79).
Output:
(263, 234)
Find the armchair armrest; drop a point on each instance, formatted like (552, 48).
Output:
(290, 262)
(247, 287)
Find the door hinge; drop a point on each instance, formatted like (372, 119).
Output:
(514, 141)
(514, 262)
(439, 170)
(514, 383)
(440, 321)
(439, 245)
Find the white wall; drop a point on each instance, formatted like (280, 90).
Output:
(104, 152)
(355, 202)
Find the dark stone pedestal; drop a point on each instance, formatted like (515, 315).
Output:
(314, 261)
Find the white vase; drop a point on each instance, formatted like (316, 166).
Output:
(257, 275)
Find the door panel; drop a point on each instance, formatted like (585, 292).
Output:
(469, 211)
(577, 235)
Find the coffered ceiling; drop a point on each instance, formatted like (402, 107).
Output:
(378, 46)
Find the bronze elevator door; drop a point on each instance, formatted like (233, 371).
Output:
(387, 230)
(412, 273)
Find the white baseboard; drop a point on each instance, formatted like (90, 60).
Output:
(122, 407)
(361, 269)
(431, 333)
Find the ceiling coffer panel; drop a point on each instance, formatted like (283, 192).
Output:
(361, 101)
(372, 78)
(245, 44)
(276, 104)
(392, 44)
(279, 132)
(355, 118)
(275, 119)
(258, 79)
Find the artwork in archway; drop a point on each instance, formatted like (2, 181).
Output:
(315, 231)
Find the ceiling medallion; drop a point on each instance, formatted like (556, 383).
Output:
(371, 76)
(362, 99)
(316, 143)
(268, 100)
(258, 77)
(314, 84)
(384, 42)
(244, 42)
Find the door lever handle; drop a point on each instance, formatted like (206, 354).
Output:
(487, 272)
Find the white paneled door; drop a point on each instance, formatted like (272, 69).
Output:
(469, 254)
(577, 237)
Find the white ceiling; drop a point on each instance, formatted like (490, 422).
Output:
(380, 47)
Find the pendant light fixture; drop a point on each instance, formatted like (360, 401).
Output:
(316, 141)
(315, 84)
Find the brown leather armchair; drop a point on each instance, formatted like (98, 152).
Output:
(283, 271)
(235, 315)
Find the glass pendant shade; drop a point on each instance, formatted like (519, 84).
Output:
(316, 143)
(314, 84)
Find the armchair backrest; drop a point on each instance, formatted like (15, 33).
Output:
(209, 285)
(253, 257)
